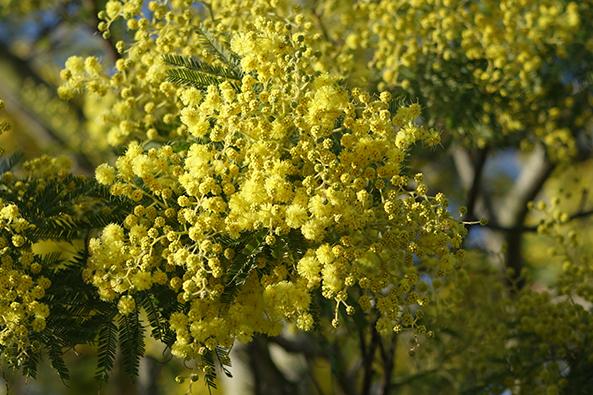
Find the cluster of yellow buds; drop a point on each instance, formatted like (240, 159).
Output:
(277, 185)
(21, 287)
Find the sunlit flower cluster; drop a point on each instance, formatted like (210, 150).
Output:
(515, 68)
(21, 286)
(273, 185)
(259, 193)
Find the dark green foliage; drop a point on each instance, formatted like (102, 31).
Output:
(220, 357)
(67, 208)
(243, 264)
(76, 310)
(158, 313)
(222, 354)
(192, 63)
(4, 127)
(187, 77)
(106, 350)
(73, 209)
(55, 352)
(30, 365)
(131, 342)
(251, 247)
(191, 71)
(63, 208)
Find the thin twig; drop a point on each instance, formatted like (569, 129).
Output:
(318, 16)
(533, 228)
(482, 205)
(367, 361)
(268, 378)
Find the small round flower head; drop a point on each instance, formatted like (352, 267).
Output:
(126, 305)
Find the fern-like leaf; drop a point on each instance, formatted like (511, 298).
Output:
(157, 320)
(106, 350)
(131, 341)
(193, 63)
(224, 359)
(243, 264)
(197, 79)
(4, 127)
(210, 369)
(67, 207)
(210, 359)
(30, 365)
(211, 45)
(54, 350)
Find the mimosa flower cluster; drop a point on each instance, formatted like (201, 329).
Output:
(262, 175)
(502, 65)
(510, 51)
(565, 243)
(25, 6)
(22, 313)
(263, 191)
(545, 329)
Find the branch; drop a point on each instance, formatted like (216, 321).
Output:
(514, 210)
(471, 177)
(267, 377)
(318, 17)
(583, 214)
(367, 360)
(388, 357)
(298, 346)
(311, 351)
(345, 379)
(475, 185)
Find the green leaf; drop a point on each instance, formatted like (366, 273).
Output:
(213, 46)
(30, 365)
(157, 320)
(192, 63)
(106, 350)
(65, 208)
(224, 359)
(131, 341)
(210, 369)
(195, 78)
(54, 348)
